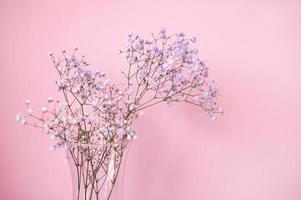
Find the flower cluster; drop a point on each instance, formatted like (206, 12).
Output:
(90, 114)
(96, 111)
(93, 119)
(169, 69)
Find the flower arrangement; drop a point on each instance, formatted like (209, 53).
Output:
(94, 119)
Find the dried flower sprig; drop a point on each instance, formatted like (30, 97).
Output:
(93, 121)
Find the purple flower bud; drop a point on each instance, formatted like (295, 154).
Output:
(162, 30)
(193, 40)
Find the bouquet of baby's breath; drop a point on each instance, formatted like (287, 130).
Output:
(93, 120)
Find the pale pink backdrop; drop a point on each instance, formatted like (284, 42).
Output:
(252, 47)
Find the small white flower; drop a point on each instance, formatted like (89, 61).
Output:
(132, 107)
(29, 110)
(196, 99)
(19, 117)
(131, 135)
(56, 121)
(46, 128)
(52, 137)
(50, 99)
(44, 109)
(94, 103)
(170, 60)
(212, 118)
(206, 94)
(64, 106)
(63, 119)
(66, 146)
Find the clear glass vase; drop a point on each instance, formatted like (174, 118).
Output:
(98, 172)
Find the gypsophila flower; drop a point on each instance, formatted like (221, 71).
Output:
(93, 120)
(212, 117)
(52, 137)
(19, 117)
(29, 110)
(50, 99)
(193, 39)
(44, 109)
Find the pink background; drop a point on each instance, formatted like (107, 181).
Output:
(252, 47)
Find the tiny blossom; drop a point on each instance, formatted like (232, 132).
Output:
(196, 99)
(46, 128)
(52, 147)
(19, 117)
(44, 109)
(29, 110)
(131, 107)
(162, 33)
(66, 146)
(52, 137)
(212, 117)
(50, 99)
(27, 102)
